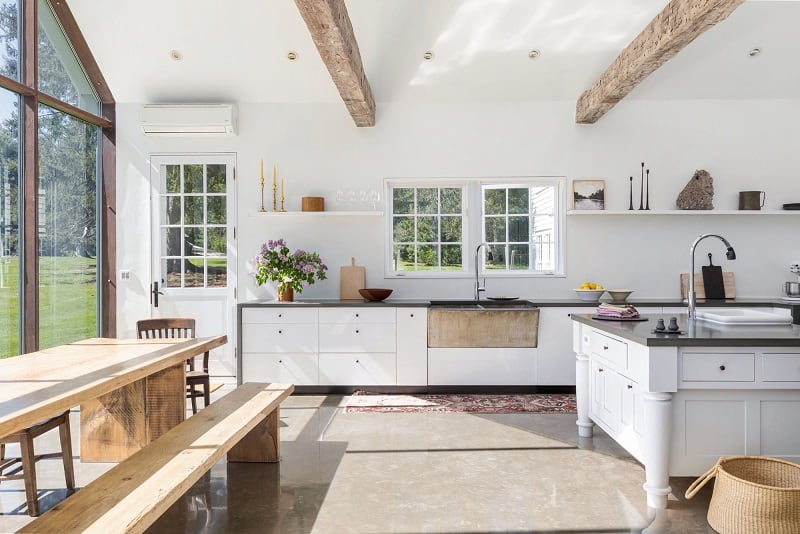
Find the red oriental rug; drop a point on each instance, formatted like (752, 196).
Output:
(542, 403)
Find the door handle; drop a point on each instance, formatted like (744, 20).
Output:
(154, 293)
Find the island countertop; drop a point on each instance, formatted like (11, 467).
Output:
(697, 334)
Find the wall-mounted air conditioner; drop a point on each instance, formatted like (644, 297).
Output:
(189, 119)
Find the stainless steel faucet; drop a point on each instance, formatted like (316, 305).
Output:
(478, 287)
(692, 295)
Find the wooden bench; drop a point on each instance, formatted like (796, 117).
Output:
(134, 493)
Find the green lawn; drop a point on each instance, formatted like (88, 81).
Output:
(67, 302)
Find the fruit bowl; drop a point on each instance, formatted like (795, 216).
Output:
(374, 293)
(619, 295)
(589, 295)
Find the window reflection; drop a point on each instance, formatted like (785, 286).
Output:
(67, 228)
(9, 224)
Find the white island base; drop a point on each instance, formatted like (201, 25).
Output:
(678, 409)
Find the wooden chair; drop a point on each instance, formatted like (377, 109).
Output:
(171, 327)
(26, 463)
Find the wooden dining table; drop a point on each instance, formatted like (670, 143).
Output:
(130, 391)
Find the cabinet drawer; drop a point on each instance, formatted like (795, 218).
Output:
(721, 367)
(279, 315)
(279, 337)
(347, 337)
(300, 369)
(356, 315)
(610, 349)
(781, 367)
(484, 367)
(357, 369)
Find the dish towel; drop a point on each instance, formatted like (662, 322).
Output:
(613, 310)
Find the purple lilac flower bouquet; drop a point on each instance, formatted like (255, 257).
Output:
(296, 270)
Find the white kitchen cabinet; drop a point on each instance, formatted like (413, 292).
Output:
(412, 346)
(299, 369)
(555, 359)
(357, 369)
(477, 367)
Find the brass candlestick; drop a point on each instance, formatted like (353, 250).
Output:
(274, 188)
(282, 195)
(261, 181)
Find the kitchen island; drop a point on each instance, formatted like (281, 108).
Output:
(678, 402)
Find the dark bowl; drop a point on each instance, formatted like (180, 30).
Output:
(374, 293)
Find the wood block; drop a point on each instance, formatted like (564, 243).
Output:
(165, 400)
(313, 204)
(728, 282)
(262, 444)
(113, 425)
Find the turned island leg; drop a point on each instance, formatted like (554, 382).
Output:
(658, 417)
(582, 395)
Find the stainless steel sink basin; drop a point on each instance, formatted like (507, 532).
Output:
(482, 304)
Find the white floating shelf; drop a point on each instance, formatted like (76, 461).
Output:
(644, 213)
(317, 214)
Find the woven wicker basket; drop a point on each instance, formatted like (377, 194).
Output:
(752, 494)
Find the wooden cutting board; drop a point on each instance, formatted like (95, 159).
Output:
(351, 279)
(727, 281)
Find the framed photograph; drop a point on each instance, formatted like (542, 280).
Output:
(588, 194)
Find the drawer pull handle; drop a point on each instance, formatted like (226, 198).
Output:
(280, 361)
(721, 367)
(599, 369)
(280, 331)
(356, 315)
(605, 347)
(280, 315)
(357, 361)
(356, 331)
(630, 386)
(412, 315)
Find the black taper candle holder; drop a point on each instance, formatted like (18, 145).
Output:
(631, 206)
(641, 191)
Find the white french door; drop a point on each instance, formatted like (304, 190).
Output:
(193, 246)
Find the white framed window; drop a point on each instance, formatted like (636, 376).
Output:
(435, 225)
(426, 228)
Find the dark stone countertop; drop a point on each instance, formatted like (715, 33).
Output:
(700, 334)
(544, 303)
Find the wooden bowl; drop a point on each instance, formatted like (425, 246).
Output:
(374, 293)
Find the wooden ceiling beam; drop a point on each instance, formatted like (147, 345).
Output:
(332, 32)
(678, 24)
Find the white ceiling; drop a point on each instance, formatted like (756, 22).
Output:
(235, 50)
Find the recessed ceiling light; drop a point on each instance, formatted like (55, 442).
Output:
(533, 54)
(291, 56)
(428, 55)
(754, 52)
(175, 55)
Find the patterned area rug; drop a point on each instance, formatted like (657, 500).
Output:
(364, 401)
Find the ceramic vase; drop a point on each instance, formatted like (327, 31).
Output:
(285, 294)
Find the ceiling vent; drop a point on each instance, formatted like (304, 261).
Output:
(189, 119)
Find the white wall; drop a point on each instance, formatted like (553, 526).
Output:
(745, 145)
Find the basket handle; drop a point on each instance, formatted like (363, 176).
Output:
(701, 481)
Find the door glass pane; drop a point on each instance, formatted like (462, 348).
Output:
(60, 73)
(67, 228)
(193, 210)
(195, 242)
(9, 223)
(216, 210)
(193, 179)
(171, 269)
(170, 178)
(9, 38)
(193, 273)
(171, 210)
(170, 241)
(216, 178)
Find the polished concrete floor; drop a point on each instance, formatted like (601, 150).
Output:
(407, 473)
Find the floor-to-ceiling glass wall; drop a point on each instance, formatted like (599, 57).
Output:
(9, 224)
(51, 145)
